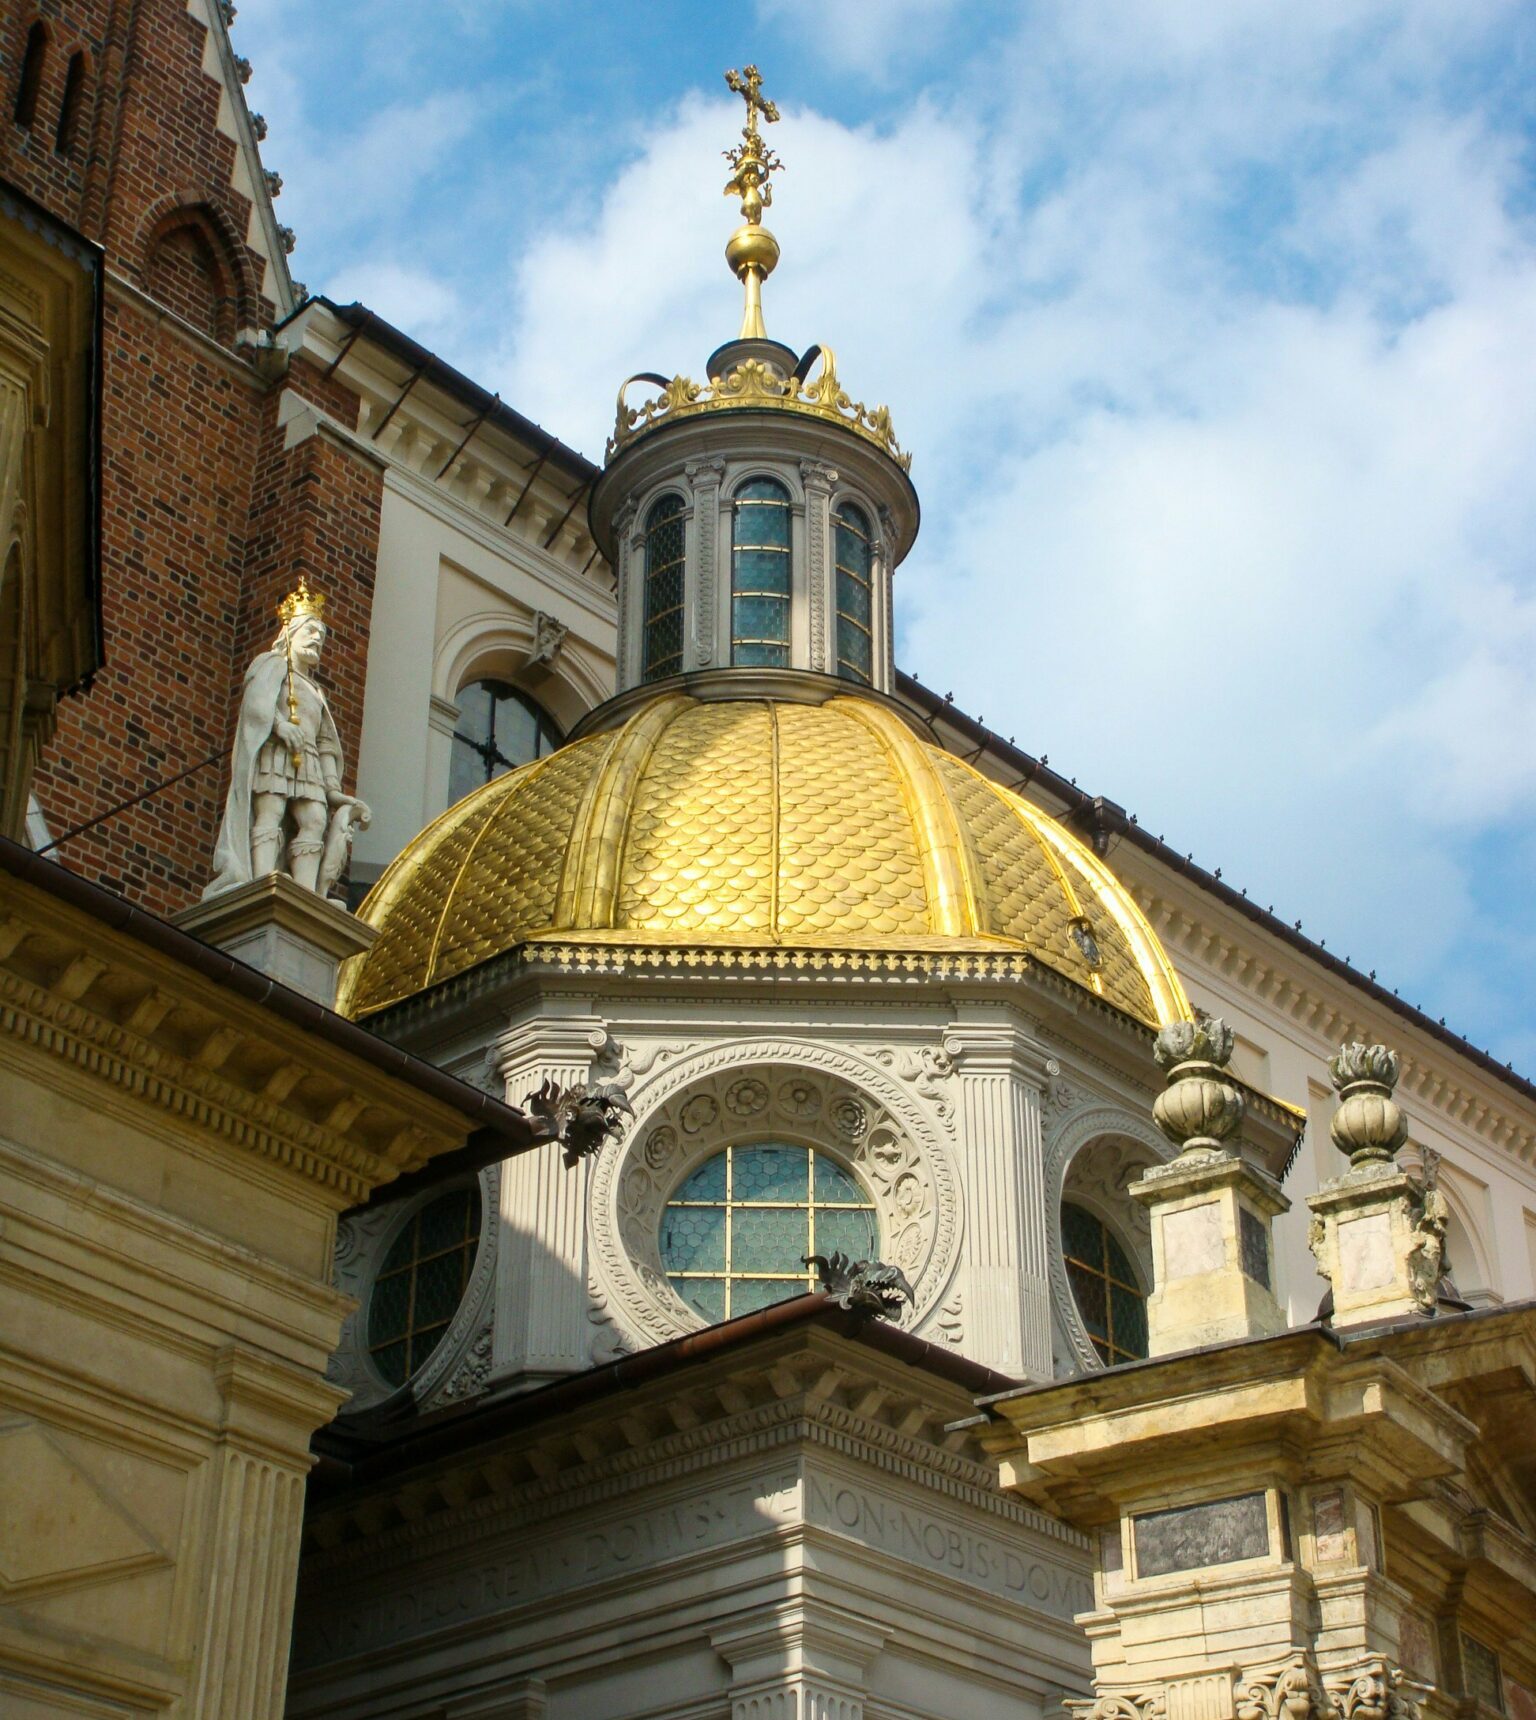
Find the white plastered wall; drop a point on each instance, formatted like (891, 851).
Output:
(453, 604)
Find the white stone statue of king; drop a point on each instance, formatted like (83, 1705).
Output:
(286, 802)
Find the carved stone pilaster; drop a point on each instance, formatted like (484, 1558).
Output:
(541, 1323)
(704, 479)
(818, 479)
(624, 577)
(802, 1665)
(999, 1083)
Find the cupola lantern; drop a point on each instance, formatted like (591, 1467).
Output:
(754, 519)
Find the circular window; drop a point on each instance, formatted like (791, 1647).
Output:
(734, 1236)
(422, 1282)
(1110, 1300)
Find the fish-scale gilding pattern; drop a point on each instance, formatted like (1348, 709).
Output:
(1120, 975)
(698, 851)
(739, 808)
(510, 884)
(848, 861)
(490, 873)
(1024, 898)
(407, 903)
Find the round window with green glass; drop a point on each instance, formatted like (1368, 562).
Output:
(735, 1235)
(422, 1281)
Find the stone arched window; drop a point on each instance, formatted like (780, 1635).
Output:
(736, 1233)
(498, 728)
(666, 536)
(1105, 1286)
(852, 555)
(760, 574)
(421, 1281)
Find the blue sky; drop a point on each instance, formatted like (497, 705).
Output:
(1212, 329)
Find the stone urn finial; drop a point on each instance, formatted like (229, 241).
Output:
(1369, 1125)
(1198, 1110)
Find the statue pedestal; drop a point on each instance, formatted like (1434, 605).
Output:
(287, 932)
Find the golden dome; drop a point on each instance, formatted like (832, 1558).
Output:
(760, 825)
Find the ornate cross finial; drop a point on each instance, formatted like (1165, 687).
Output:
(749, 86)
(752, 250)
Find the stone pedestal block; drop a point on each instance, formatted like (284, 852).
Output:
(283, 930)
(1213, 1259)
(1378, 1235)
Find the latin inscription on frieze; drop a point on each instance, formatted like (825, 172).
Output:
(546, 1559)
(1219, 1532)
(898, 1529)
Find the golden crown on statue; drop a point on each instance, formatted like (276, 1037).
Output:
(299, 603)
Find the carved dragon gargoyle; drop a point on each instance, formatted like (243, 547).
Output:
(579, 1118)
(862, 1286)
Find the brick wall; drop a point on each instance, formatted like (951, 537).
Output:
(208, 520)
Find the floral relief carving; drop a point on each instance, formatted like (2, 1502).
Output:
(816, 1095)
(929, 1069)
(1373, 1689)
(1289, 1690)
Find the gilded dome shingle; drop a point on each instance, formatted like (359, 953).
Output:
(754, 824)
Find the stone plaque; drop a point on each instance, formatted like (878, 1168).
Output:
(1329, 1529)
(1192, 1241)
(1365, 1251)
(1253, 1246)
(1484, 1677)
(1416, 1650)
(1217, 1533)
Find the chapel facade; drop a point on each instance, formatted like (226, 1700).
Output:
(653, 811)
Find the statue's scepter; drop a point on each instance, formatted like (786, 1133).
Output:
(297, 603)
(293, 700)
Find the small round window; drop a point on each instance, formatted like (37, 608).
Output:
(422, 1282)
(1109, 1297)
(734, 1236)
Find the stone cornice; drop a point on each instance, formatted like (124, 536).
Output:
(134, 1020)
(548, 1477)
(1330, 1015)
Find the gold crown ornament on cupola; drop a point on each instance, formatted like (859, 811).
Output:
(754, 517)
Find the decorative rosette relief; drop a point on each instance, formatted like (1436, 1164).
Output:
(815, 1096)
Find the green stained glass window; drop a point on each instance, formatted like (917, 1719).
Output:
(855, 593)
(666, 537)
(422, 1282)
(760, 575)
(1110, 1301)
(734, 1236)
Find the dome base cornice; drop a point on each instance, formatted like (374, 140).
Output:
(713, 686)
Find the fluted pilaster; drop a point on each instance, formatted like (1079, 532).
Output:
(1007, 1306)
(541, 1326)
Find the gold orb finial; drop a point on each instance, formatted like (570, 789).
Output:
(303, 601)
(752, 251)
